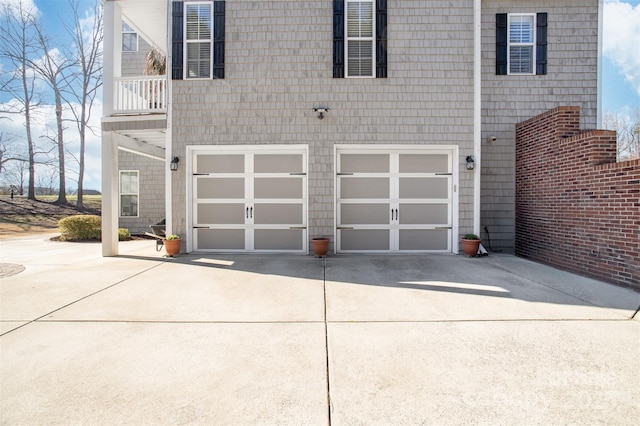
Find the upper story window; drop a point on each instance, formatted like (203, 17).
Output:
(359, 38)
(522, 54)
(197, 39)
(129, 38)
(198, 21)
(521, 43)
(359, 44)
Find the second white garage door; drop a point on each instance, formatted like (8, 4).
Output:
(394, 199)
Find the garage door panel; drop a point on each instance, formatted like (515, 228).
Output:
(365, 214)
(424, 188)
(228, 214)
(277, 214)
(220, 188)
(219, 163)
(364, 163)
(278, 239)
(220, 239)
(424, 214)
(423, 163)
(278, 163)
(278, 188)
(360, 188)
(424, 239)
(364, 239)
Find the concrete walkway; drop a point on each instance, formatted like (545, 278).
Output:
(348, 340)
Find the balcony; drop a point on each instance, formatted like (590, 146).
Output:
(140, 95)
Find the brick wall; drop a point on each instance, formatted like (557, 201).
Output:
(576, 208)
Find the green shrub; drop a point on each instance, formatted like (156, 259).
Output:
(80, 227)
(123, 234)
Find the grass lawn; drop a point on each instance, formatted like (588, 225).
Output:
(20, 216)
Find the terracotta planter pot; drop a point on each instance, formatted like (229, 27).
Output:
(470, 247)
(173, 247)
(320, 246)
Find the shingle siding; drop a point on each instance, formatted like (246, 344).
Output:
(278, 67)
(151, 200)
(507, 100)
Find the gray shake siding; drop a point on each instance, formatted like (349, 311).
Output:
(506, 100)
(278, 67)
(151, 199)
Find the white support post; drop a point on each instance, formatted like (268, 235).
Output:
(109, 195)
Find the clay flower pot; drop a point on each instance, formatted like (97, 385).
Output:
(320, 246)
(173, 246)
(470, 244)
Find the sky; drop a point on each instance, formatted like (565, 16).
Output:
(620, 82)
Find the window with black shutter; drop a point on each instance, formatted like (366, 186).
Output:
(521, 44)
(359, 38)
(198, 39)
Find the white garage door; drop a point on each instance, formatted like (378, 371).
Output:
(250, 201)
(391, 200)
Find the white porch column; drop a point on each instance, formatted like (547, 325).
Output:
(112, 43)
(477, 111)
(109, 195)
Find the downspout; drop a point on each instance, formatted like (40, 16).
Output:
(599, 65)
(477, 111)
(168, 192)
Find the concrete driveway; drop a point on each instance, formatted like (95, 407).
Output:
(348, 340)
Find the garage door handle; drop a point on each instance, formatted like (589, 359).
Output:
(344, 174)
(297, 174)
(251, 212)
(247, 214)
(345, 227)
(297, 227)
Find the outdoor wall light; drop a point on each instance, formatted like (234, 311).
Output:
(471, 163)
(321, 111)
(174, 164)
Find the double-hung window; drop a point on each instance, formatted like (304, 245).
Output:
(360, 41)
(197, 40)
(129, 190)
(359, 38)
(198, 23)
(521, 43)
(522, 54)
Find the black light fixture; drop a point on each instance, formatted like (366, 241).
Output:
(471, 163)
(174, 164)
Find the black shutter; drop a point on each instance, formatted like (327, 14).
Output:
(381, 38)
(218, 39)
(338, 38)
(177, 15)
(541, 44)
(501, 44)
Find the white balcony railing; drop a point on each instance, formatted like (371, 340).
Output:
(146, 94)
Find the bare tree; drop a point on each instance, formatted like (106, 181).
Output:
(8, 152)
(627, 126)
(18, 42)
(87, 35)
(52, 67)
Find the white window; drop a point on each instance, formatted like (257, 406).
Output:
(198, 26)
(521, 39)
(129, 190)
(360, 38)
(129, 38)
